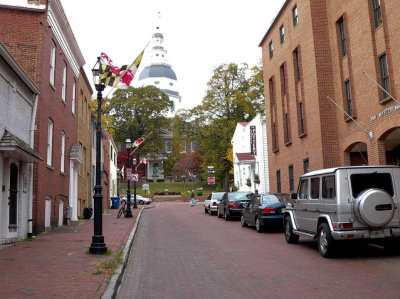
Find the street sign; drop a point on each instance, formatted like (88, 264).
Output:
(211, 180)
(133, 177)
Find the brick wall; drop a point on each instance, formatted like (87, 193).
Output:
(330, 138)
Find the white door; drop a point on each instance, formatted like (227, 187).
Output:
(47, 213)
(61, 213)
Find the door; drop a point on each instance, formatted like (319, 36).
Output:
(61, 213)
(47, 213)
(12, 200)
(301, 205)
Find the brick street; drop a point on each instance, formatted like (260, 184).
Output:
(180, 252)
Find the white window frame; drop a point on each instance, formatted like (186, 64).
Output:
(192, 146)
(62, 167)
(50, 127)
(166, 146)
(183, 147)
(52, 62)
(64, 82)
(73, 97)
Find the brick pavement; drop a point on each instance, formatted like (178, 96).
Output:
(56, 265)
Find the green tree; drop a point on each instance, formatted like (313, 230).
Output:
(138, 112)
(232, 97)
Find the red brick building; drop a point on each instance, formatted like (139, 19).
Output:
(39, 37)
(317, 49)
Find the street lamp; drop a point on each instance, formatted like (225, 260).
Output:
(118, 178)
(134, 184)
(98, 246)
(128, 213)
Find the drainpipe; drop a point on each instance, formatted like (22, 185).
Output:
(30, 167)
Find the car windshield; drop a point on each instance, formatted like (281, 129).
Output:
(217, 196)
(270, 199)
(237, 196)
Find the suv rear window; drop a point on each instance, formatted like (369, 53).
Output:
(363, 181)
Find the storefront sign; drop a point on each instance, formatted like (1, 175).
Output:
(385, 112)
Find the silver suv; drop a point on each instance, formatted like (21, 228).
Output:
(346, 203)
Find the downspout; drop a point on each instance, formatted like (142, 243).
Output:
(30, 167)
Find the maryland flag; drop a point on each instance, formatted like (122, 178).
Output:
(120, 77)
(144, 161)
(138, 142)
(123, 171)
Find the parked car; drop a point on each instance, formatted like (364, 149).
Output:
(211, 202)
(346, 203)
(139, 199)
(264, 210)
(231, 204)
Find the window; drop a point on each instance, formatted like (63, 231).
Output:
(274, 141)
(306, 165)
(303, 194)
(286, 128)
(183, 147)
(282, 34)
(342, 37)
(314, 188)
(193, 146)
(271, 92)
(283, 79)
(168, 146)
(348, 98)
(377, 12)
(361, 182)
(64, 82)
(49, 142)
(62, 151)
(301, 118)
(295, 16)
(291, 178)
(52, 62)
(271, 50)
(278, 181)
(297, 64)
(73, 97)
(384, 75)
(328, 187)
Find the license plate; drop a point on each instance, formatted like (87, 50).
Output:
(376, 234)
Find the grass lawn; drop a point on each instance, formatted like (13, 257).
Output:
(180, 187)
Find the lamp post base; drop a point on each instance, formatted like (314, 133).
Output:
(129, 213)
(98, 246)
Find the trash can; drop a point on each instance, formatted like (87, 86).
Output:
(115, 202)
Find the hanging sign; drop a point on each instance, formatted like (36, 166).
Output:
(253, 145)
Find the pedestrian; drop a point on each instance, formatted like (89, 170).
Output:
(192, 201)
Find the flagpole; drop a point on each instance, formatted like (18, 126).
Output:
(377, 84)
(116, 83)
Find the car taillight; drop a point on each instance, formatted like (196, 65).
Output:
(345, 225)
(233, 205)
(214, 203)
(269, 211)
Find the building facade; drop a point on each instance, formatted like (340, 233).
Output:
(250, 156)
(83, 114)
(322, 63)
(39, 37)
(18, 102)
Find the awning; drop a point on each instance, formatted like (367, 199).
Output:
(16, 147)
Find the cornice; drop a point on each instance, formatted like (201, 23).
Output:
(62, 30)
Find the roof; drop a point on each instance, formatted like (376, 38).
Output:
(245, 157)
(12, 142)
(170, 92)
(332, 170)
(157, 71)
(158, 35)
(243, 123)
(276, 19)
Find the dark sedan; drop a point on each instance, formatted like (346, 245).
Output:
(264, 211)
(231, 204)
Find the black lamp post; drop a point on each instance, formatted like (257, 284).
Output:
(118, 178)
(98, 246)
(128, 213)
(134, 185)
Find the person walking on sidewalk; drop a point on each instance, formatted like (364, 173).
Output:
(192, 201)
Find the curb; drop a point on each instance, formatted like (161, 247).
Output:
(115, 281)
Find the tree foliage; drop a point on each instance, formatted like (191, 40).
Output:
(138, 112)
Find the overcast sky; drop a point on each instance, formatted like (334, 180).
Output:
(198, 35)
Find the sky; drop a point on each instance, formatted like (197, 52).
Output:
(198, 35)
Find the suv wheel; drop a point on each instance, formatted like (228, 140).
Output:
(290, 237)
(392, 245)
(325, 242)
(226, 216)
(242, 222)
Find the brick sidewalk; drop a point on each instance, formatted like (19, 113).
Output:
(56, 264)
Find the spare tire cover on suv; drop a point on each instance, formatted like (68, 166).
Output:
(375, 207)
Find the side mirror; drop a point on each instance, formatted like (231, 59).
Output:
(293, 196)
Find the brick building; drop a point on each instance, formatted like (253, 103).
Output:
(84, 123)
(39, 37)
(317, 49)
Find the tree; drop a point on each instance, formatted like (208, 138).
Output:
(231, 98)
(138, 112)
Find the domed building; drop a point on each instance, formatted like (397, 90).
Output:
(156, 71)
